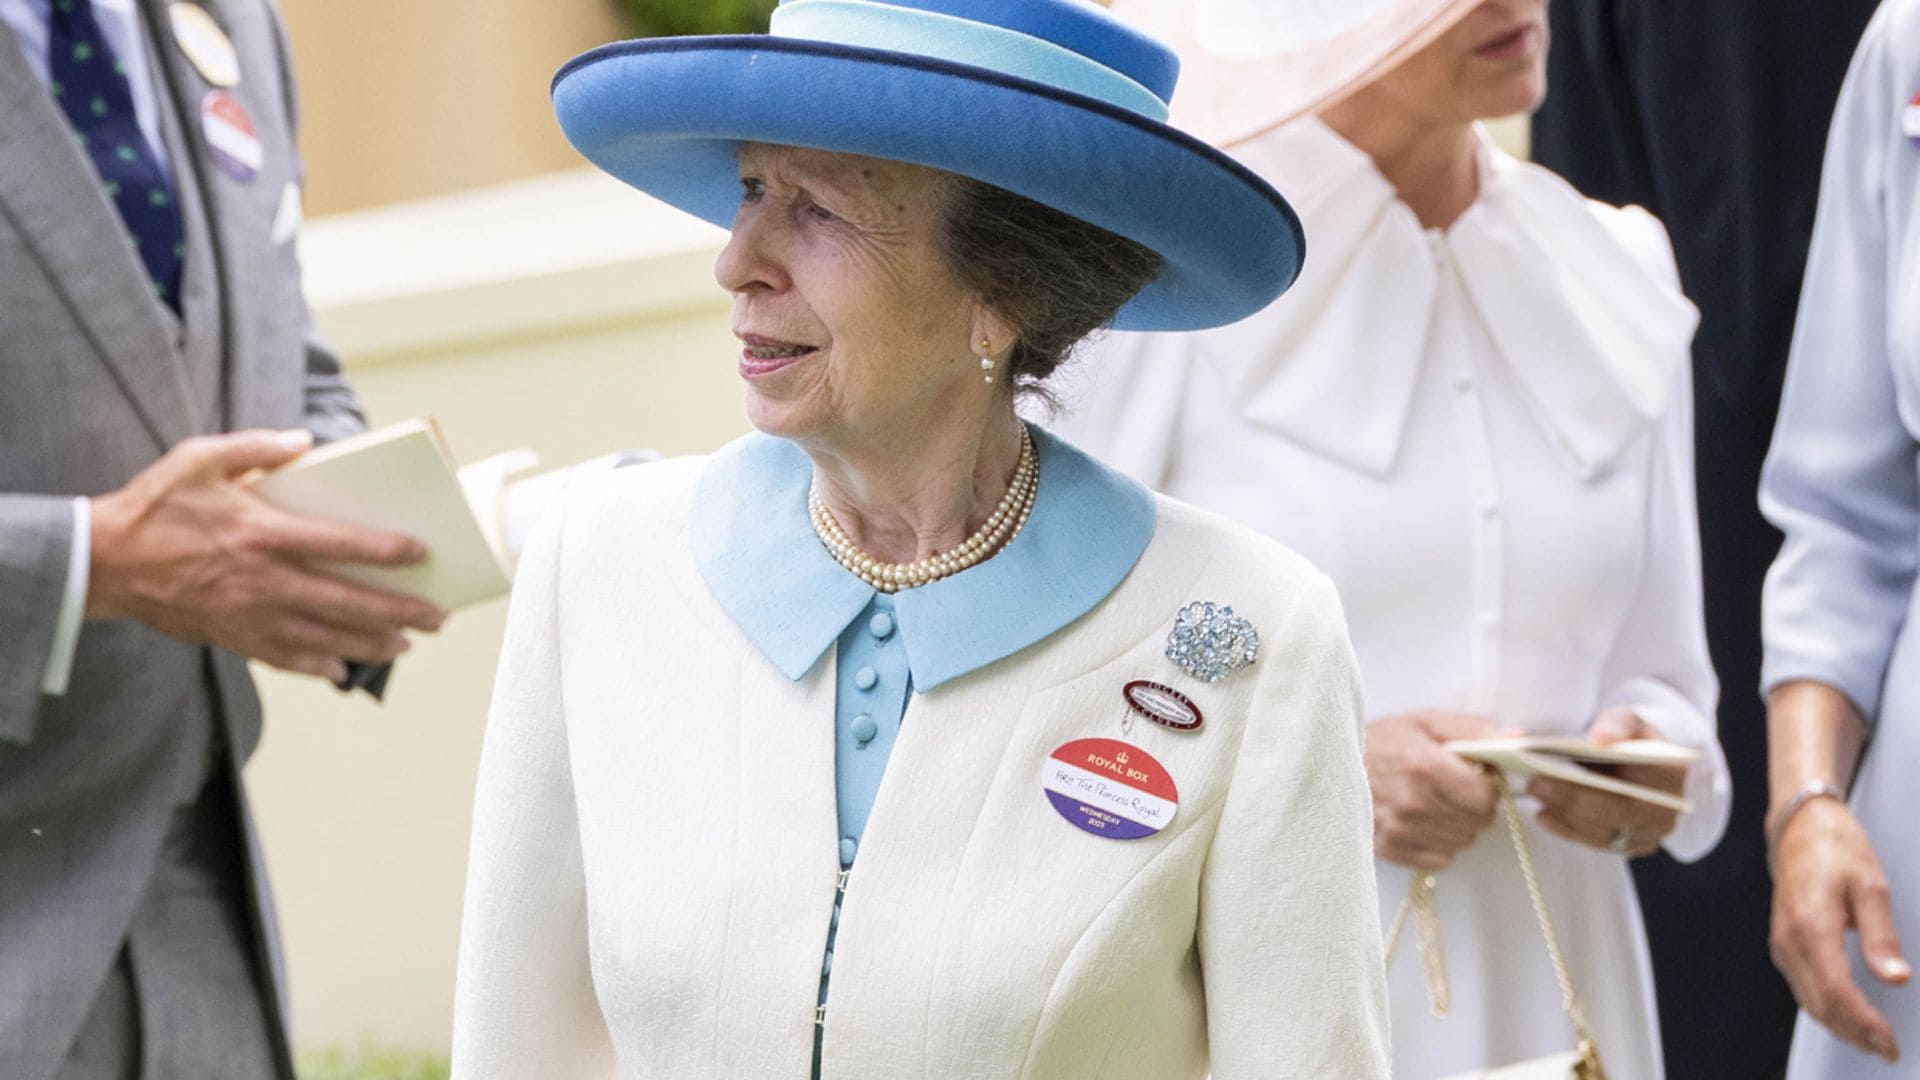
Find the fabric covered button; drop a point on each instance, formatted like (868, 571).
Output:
(865, 678)
(864, 729)
(1463, 381)
(848, 848)
(881, 625)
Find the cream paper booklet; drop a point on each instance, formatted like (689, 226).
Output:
(1562, 757)
(399, 478)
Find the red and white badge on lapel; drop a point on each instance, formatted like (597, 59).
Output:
(1161, 704)
(1910, 120)
(1110, 788)
(231, 136)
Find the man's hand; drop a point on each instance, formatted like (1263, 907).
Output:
(1428, 803)
(1601, 819)
(1828, 881)
(187, 550)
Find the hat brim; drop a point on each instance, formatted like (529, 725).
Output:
(1231, 99)
(668, 115)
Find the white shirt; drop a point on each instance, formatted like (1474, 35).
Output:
(120, 24)
(1484, 437)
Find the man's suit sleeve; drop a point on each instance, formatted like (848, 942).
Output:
(36, 541)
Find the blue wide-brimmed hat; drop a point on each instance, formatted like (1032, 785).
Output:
(1054, 100)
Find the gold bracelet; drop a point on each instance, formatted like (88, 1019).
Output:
(1777, 822)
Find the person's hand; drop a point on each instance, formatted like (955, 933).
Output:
(187, 550)
(1601, 819)
(1828, 880)
(1428, 803)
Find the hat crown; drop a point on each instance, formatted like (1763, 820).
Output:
(1077, 26)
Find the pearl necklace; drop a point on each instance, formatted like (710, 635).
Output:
(994, 534)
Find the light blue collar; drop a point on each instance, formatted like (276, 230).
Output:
(756, 548)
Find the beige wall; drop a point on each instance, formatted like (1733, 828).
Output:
(407, 98)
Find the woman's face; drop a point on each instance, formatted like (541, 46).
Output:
(854, 329)
(1492, 63)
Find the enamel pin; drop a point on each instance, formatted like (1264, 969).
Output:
(1210, 642)
(1910, 120)
(230, 135)
(206, 45)
(1161, 704)
(1109, 788)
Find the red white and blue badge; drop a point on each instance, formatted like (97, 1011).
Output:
(1110, 788)
(1910, 120)
(230, 135)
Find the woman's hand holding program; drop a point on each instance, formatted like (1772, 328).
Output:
(1428, 803)
(1603, 820)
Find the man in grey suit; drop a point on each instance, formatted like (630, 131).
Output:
(154, 347)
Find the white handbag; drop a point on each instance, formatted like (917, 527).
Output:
(1582, 1063)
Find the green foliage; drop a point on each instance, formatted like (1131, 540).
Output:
(660, 18)
(371, 1062)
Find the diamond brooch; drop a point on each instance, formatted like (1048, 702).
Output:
(1210, 642)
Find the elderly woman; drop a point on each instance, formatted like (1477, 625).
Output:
(1473, 414)
(901, 739)
(1843, 658)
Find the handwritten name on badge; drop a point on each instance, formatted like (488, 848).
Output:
(1109, 788)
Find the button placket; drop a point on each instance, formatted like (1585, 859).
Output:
(1487, 524)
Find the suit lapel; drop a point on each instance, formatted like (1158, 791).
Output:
(227, 206)
(55, 200)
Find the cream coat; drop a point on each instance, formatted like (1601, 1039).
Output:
(655, 847)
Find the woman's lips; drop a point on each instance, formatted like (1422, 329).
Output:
(764, 356)
(1512, 45)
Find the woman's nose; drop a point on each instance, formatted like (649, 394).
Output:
(747, 261)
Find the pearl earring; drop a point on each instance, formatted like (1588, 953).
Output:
(986, 360)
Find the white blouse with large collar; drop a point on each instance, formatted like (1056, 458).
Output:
(1484, 437)
(656, 847)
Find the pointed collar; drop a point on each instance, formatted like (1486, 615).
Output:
(756, 550)
(1580, 301)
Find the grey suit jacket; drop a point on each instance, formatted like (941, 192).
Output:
(97, 380)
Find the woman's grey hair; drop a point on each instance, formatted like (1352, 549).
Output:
(1054, 277)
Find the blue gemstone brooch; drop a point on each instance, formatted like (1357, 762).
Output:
(1210, 642)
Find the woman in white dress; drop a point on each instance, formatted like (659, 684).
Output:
(1472, 413)
(1842, 661)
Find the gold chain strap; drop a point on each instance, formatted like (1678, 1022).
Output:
(1420, 905)
(1589, 1067)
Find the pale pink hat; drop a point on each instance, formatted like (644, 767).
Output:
(1248, 66)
